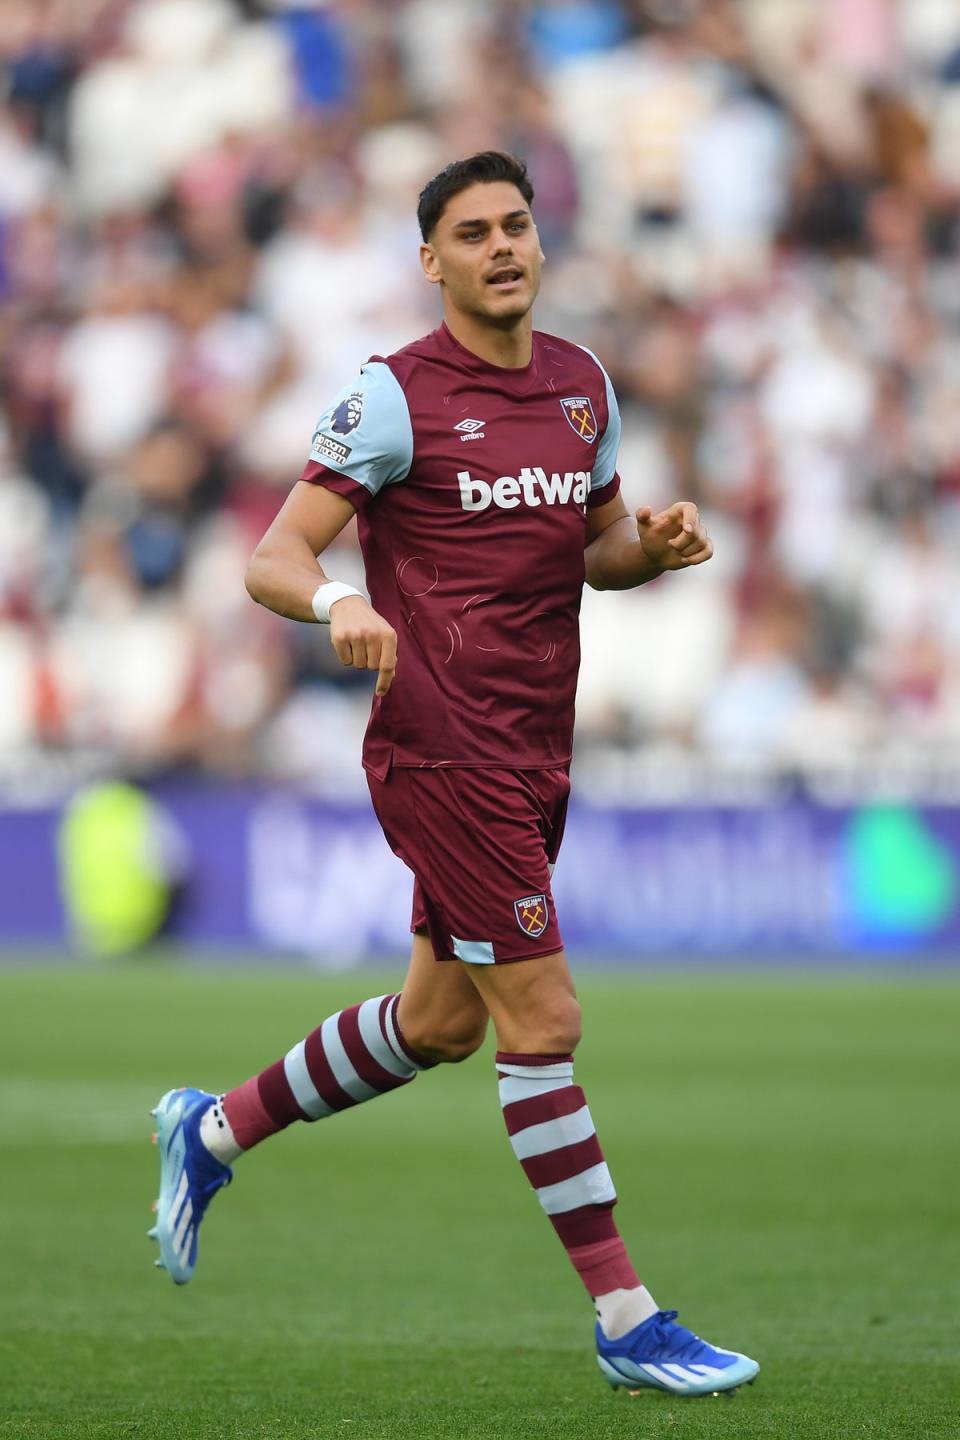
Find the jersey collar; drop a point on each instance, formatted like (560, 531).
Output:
(469, 360)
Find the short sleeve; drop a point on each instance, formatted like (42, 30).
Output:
(604, 481)
(364, 439)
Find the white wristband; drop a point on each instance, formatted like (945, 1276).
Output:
(328, 594)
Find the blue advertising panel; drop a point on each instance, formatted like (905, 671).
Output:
(277, 871)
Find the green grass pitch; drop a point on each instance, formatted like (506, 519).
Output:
(784, 1148)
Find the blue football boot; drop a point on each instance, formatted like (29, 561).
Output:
(662, 1355)
(189, 1178)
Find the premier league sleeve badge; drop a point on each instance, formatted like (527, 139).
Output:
(348, 414)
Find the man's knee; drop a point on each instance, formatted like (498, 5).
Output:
(557, 1027)
(534, 1006)
(448, 1039)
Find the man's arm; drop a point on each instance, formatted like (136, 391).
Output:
(284, 573)
(623, 551)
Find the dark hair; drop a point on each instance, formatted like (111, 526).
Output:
(482, 169)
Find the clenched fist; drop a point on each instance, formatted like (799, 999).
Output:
(363, 639)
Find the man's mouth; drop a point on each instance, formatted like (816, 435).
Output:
(507, 276)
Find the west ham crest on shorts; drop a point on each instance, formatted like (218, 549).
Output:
(580, 416)
(531, 913)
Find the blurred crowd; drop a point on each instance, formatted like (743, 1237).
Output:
(750, 212)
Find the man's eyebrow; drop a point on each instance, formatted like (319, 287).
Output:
(474, 224)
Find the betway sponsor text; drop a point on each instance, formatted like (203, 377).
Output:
(531, 487)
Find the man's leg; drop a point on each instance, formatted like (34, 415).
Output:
(441, 1013)
(356, 1055)
(537, 1018)
(534, 1008)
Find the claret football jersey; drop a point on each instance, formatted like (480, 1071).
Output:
(472, 484)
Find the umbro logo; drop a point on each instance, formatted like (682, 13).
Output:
(471, 429)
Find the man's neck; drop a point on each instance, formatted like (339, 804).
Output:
(510, 348)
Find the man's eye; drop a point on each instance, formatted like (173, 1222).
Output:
(518, 225)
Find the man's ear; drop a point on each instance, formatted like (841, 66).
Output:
(431, 265)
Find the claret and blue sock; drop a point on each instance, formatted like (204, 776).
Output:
(554, 1138)
(354, 1056)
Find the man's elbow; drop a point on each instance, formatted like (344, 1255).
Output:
(593, 575)
(253, 577)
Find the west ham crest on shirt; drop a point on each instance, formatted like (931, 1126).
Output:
(531, 913)
(580, 416)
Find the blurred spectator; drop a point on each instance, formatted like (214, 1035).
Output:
(748, 715)
(119, 348)
(559, 32)
(207, 223)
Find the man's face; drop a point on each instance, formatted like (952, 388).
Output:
(485, 251)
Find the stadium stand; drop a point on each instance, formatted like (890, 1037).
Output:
(750, 212)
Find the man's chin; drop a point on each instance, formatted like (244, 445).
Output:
(506, 309)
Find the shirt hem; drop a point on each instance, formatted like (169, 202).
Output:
(507, 763)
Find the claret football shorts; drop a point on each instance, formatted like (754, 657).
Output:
(482, 845)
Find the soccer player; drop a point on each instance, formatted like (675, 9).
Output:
(481, 464)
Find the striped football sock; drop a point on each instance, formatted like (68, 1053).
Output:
(355, 1055)
(553, 1137)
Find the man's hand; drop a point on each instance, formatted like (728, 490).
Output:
(363, 639)
(675, 538)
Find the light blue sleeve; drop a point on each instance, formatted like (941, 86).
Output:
(605, 465)
(366, 434)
